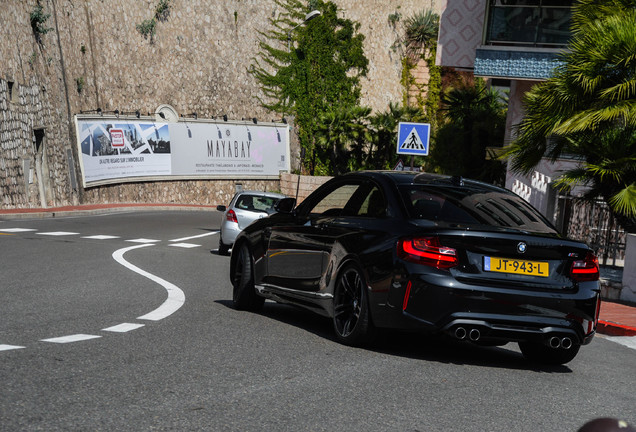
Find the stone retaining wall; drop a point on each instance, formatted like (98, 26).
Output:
(292, 184)
(93, 57)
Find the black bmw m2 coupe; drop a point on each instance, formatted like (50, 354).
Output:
(405, 250)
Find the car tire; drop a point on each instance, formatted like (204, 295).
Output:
(351, 318)
(540, 353)
(223, 248)
(244, 295)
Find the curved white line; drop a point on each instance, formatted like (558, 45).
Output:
(175, 299)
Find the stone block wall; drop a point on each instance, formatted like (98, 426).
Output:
(304, 185)
(93, 56)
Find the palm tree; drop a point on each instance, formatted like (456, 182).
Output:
(420, 32)
(339, 132)
(588, 108)
(475, 119)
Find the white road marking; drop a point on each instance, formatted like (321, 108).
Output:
(185, 245)
(123, 328)
(628, 341)
(101, 237)
(176, 297)
(143, 240)
(58, 233)
(193, 237)
(10, 347)
(71, 338)
(15, 230)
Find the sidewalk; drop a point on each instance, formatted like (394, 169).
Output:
(90, 209)
(615, 319)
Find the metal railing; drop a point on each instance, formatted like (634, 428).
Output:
(594, 224)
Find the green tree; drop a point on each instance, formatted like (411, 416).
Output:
(310, 70)
(475, 119)
(341, 134)
(588, 108)
(420, 42)
(379, 152)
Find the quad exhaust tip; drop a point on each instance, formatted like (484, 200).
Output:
(556, 342)
(473, 334)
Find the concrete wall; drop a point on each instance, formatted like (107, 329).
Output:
(94, 57)
(460, 32)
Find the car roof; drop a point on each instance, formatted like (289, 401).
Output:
(415, 177)
(262, 193)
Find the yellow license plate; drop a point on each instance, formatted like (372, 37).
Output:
(508, 265)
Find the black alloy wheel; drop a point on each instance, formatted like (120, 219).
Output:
(351, 319)
(244, 295)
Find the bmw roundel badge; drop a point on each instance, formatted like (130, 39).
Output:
(521, 247)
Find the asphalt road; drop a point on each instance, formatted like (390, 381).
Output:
(113, 334)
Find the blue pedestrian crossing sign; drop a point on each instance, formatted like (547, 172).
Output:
(413, 138)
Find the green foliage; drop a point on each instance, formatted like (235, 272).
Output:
(475, 119)
(340, 136)
(32, 58)
(80, 83)
(420, 32)
(38, 21)
(310, 70)
(420, 42)
(148, 28)
(395, 17)
(383, 129)
(162, 11)
(588, 108)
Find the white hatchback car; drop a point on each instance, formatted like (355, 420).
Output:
(245, 208)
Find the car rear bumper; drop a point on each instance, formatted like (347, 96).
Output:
(229, 232)
(439, 303)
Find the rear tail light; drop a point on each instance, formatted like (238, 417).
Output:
(428, 251)
(231, 216)
(586, 269)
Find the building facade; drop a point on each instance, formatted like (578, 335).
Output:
(515, 44)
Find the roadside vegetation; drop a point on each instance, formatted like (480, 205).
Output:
(311, 71)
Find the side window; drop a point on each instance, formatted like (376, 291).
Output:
(374, 204)
(335, 201)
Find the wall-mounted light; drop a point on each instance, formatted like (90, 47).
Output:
(311, 15)
(224, 117)
(137, 114)
(284, 120)
(255, 120)
(99, 111)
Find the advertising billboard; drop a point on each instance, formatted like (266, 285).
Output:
(115, 150)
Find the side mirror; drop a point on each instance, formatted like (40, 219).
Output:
(285, 205)
(221, 208)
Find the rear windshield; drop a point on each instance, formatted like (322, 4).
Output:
(256, 203)
(469, 205)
